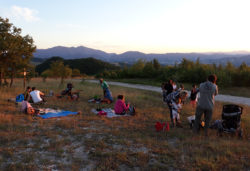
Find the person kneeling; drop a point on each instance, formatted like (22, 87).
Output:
(121, 108)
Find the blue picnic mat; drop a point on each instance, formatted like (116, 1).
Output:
(58, 114)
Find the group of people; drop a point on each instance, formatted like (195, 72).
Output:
(175, 97)
(33, 95)
(121, 107)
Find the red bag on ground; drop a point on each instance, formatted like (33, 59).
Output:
(102, 113)
(161, 126)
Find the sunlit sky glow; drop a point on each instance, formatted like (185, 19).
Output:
(150, 26)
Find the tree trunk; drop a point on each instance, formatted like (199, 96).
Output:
(5, 82)
(11, 78)
(62, 80)
(24, 78)
(1, 77)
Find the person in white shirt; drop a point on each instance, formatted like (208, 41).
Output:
(176, 107)
(36, 95)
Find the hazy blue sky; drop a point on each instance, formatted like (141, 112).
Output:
(151, 26)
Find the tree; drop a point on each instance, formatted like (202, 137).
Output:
(156, 64)
(15, 50)
(59, 70)
(45, 74)
(148, 70)
(137, 68)
(76, 73)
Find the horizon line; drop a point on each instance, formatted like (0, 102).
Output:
(205, 52)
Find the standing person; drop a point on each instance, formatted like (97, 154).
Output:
(169, 87)
(174, 86)
(181, 87)
(171, 98)
(176, 108)
(163, 91)
(106, 92)
(36, 95)
(193, 95)
(205, 105)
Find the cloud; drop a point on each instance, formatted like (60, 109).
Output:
(26, 14)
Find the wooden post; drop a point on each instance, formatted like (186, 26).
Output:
(24, 77)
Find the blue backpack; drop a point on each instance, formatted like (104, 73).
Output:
(20, 98)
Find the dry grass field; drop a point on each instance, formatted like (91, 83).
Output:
(90, 142)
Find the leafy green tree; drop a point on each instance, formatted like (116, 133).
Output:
(59, 70)
(31, 73)
(156, 64)
(15, 50)
(45, 74)
(148, 70)
(136, 70)
(76, 73)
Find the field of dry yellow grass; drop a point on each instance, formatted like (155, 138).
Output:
(90, 142)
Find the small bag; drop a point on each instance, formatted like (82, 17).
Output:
(162, 126)
(132, 110)
(102, 113)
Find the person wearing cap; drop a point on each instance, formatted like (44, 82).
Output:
(208, 90)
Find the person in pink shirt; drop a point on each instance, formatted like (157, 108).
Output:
(120, 106)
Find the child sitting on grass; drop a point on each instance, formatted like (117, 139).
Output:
(176, 107)
(120, 107)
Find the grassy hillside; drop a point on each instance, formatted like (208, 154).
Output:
(88, 66)
(87, 141)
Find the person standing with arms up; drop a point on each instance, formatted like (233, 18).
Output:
(205, 105)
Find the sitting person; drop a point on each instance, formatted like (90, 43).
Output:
(27, 94)
(120, 107)
(69, 93)
(68, 90)
(27, 108)
(36, 95)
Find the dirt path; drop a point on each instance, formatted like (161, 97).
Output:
(222, 98)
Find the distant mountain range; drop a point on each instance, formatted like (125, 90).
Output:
(132, 56)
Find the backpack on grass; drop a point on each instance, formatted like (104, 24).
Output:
(20, 98)
(132, 110)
